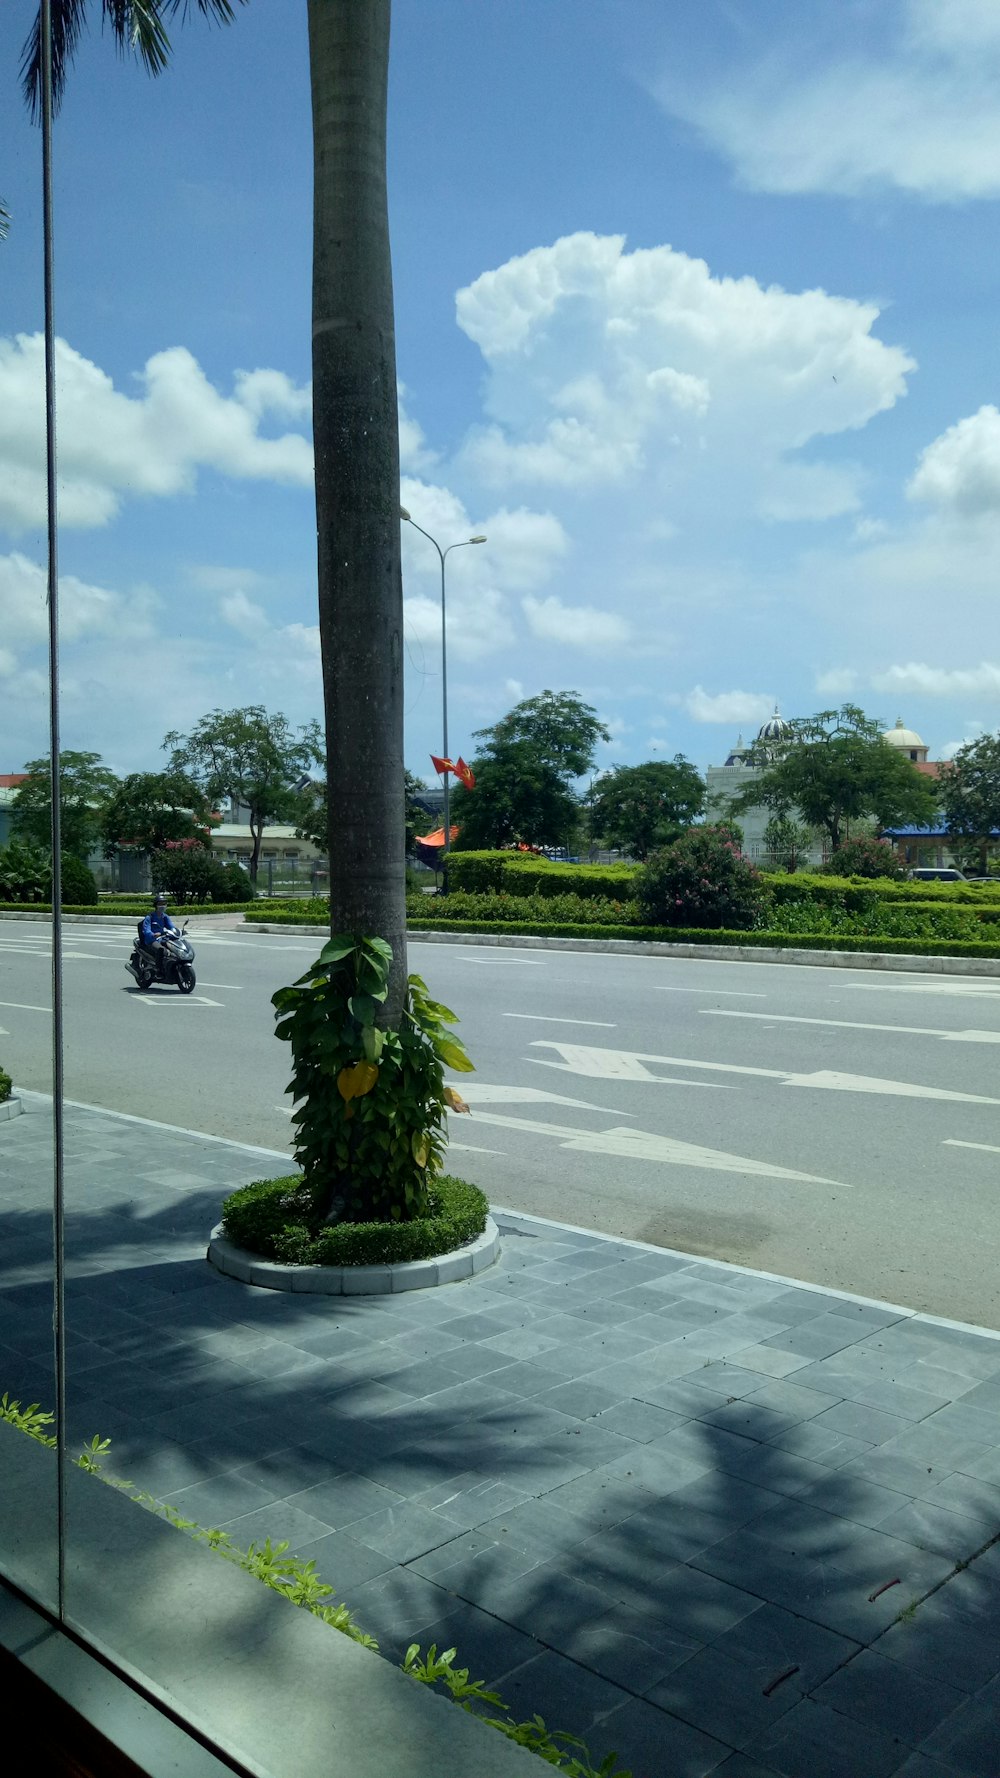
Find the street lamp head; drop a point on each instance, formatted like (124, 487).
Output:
(477, 540)
(403, 513)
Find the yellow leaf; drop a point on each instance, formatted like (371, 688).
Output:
(454, 1100)
(421, 1149)
(357, 1080)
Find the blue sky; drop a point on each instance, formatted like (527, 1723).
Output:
(696, 319)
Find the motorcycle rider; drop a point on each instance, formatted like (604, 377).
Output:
(156, 924)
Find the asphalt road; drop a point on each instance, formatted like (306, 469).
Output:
(834, 1125)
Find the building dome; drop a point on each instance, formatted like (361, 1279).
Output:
(902, 737)
(775, 729)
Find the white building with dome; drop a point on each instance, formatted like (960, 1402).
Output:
(728, 781)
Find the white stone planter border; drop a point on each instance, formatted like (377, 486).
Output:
(411, 1274)
(10, 1108)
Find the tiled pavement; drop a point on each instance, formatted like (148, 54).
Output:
(717, 1522)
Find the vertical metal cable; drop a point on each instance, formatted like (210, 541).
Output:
(58, 1204)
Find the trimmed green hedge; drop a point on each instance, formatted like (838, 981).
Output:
(6, 1085)
(275, 1218)
(681, 935)
(518, 873)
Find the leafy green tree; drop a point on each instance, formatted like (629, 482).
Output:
(560, 730)
(835, 768)
(525, 773)
(786, 841)
(864, 856)
(356, 435)
(970, 799)
(518, 798)
(149, 808)
(637, 808)
(85, 787)
(252, 758)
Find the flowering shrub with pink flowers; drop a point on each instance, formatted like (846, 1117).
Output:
(702, 880)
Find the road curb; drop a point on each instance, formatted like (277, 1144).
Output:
(10, 1108)
(412, 1274)
(632, 947)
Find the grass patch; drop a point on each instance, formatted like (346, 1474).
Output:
(277, 1218)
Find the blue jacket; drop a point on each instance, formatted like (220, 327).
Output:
(155, 925)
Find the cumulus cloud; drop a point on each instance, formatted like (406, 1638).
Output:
(907, 97)
(85, 609)
(941, 682)
(609, 367)
(837, 682)
(576, 626)
(730, 707)
(961, 469)
(152, 443)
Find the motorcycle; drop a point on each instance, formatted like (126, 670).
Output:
(169, 962)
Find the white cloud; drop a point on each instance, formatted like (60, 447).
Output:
(941, 682)
(153, 443)
(85, 610)
(730, 707)
(961, 469)
(902, 95)
(837, 682)
(576, 626)
(244, 615)
(637, 369)
(415, 455)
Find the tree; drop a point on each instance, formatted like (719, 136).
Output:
(85, 786)
(518, 797)
(835, 768)
(637, 808)
(525, 772)
(311, 816)
(558, 727)
(970, 798)
(785, 841)
(355, 429)
(252, 758)
(149, 808)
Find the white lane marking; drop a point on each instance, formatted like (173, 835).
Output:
(34, 951)
(954, 1142)
(952, 986)
(550, 1019)
(643, 1145)
(481, 1092)
(598, 1064)
(234, 987)
(729, 993)
(21, 1006)
(788, 1018)
(506, 962)
(173, 1000)
(470, 1148)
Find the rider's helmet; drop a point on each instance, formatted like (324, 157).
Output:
(161, 902)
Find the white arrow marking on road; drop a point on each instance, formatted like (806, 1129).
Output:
(173, 1000)
(19, 1006)
(598, 1064)
(542, 1018)
(479, 1092)
(643, 1145)
(954, 1142)
(788, 1018)
(469, 1148)
(728, 993)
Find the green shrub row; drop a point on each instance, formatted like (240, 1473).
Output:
(274, 1217)
(297, 1581)
(6, 1085)
(859, 893)
(682, 935)
(142, 906)
(307, 911)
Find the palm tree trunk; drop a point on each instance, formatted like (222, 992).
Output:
(357, 476)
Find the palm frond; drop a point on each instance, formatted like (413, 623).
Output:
(68, 19)
(138, 29)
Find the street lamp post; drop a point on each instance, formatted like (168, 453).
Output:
(442, 553)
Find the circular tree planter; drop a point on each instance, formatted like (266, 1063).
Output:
(383, 1280)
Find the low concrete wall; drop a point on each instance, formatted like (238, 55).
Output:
(263, 1680)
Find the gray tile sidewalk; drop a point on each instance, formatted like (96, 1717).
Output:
(718, 1522)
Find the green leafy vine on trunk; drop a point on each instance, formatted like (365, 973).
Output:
(370, 1102)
